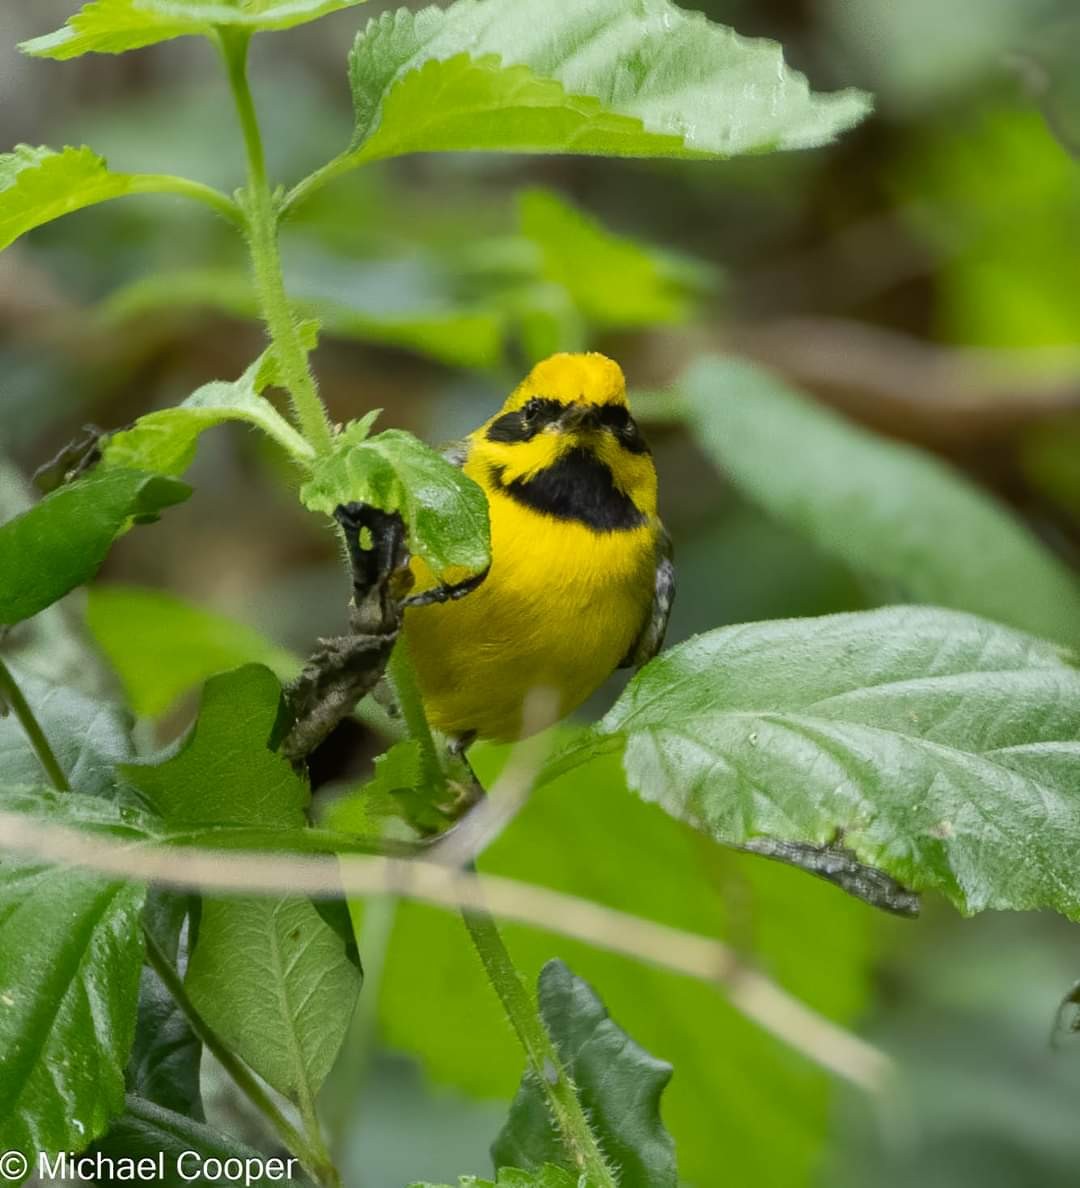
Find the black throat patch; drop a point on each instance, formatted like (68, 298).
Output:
(577, 487)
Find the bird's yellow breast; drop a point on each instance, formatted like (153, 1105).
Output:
(560, 609)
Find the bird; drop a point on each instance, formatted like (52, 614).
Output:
(581, 579)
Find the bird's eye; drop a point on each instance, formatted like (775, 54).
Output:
(532, 411)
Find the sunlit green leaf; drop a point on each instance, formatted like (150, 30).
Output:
(164, 442)
(223, 772)
(113, 26)
(188, 643)
(445, 513)
(274, 979)
(70, 954)
(886, 509)
(580, 76)
(618, 1082)
(938, 747)
(62, 541)
(612, 280)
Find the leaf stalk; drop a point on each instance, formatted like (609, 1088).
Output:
(12, 695)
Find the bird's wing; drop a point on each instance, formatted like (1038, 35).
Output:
(651, 638)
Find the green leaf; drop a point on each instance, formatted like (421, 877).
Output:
(275, 980)
(580, 77)
(512, 1177)
(445, 513)
(618, 1082)
(769, 1120)
(114, 26)
(146, 1130)
(938, 747)
(188, 643)
(88, 735)
(223, 771)
(886, 509)
(62, 541)
(613, 281)
(70, 955)
(164, 442)
(38, 185)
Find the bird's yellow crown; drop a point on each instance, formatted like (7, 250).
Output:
(590, 378)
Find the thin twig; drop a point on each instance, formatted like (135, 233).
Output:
(210, 871)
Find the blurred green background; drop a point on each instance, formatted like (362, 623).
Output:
(922, 276)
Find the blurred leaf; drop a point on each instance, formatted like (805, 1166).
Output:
(164, 442)
(886, 509)
(113, 26)
(188, 643)
(391, 792)
(275, 981)
(1046, 61)
(512, 1177)
(88, 735)
(62, 541)
(618, 1082)
(70, 954)
(770, 1120)
(223, 771)
(1049, 453)
(445, 513)
(935, 746)
(593, 77)
(612, 280)
(146, 1130)
(1009, 251)
(393, 303)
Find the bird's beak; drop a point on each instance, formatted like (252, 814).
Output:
(578, 416)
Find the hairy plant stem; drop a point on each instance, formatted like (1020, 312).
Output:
(165, 183)
(308, 1149)
(11, 694)
(520, 1007)
(261, 216)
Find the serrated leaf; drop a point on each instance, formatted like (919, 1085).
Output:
(936, 746)
(886, 509)
(38, 185)
(189, 644)
(70, 955)
(612, 280)
(62, 541)
(88, 735)
(164, 442)
(275, 980)
(445, 513)
(146, 1130)
(512, 1177)
(618, 1083)
(223, 771)
(580, 77)
(114, 26)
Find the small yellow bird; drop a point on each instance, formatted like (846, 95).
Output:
(581, 579)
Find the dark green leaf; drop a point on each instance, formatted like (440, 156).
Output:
(512, 1177)
(938, 747)
(114, 26)
(886, 509)
(70, 955)
(223, 771)
(275, 980)
(166, 1056)
(580, 76)
(188, 643)
(618, 1082)
(88, 735)
(164, 442)
(62, 541)
(445, 513)
(145, 1130)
